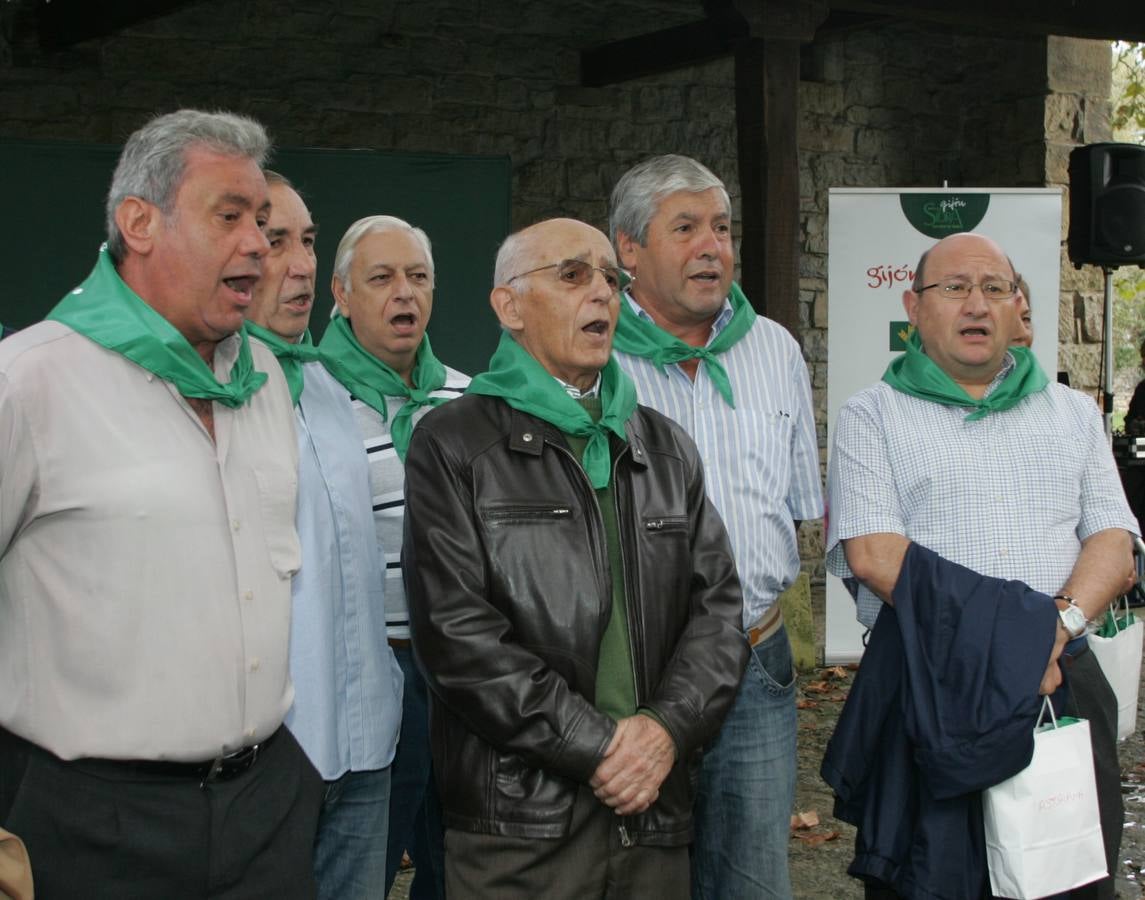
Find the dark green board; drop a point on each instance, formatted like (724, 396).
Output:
(53, 223)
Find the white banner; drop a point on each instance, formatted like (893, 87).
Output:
(875, 237)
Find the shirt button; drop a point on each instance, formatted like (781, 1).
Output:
(248, 596)
(250, 732)
(235, 525)
(254, 664)
(527, 436)
(1002, 551)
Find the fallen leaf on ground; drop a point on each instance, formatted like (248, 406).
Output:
(806, 704)
(817, 687)
(814, 840)
(807, 819)
(837, 672)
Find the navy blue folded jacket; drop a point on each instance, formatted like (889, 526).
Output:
(943, 706)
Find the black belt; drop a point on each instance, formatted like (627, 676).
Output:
(221, 768)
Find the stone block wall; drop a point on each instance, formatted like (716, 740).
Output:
(886, 105)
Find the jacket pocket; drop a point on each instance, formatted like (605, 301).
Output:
(665, 524)
(496, 514)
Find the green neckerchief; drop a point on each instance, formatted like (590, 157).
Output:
(372, 381)
(105, 310)
(524, 384)
(290, 355)
(917, 374)
(646, 339)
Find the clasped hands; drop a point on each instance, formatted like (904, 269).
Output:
(636, 762)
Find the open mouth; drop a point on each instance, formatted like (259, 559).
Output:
(974, 331)
(300, 302)
(598, 327)
(706, 277)
(242, 286)
(404, 322)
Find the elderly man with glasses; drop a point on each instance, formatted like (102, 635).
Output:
(967, 451)
(573, 598)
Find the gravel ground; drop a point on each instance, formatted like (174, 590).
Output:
(820, 854)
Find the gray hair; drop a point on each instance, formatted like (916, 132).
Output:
(344, 257)
(273, 177)
(638, 193)
(154, 158)
(510, 258)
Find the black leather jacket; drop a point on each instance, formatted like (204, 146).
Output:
(509, 587)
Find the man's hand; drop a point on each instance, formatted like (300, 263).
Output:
(637, 761)
(1052, 679)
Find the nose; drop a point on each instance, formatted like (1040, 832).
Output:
(976, 303)
(708, 243)
(254, 241)
(303, 263)
(600, 291)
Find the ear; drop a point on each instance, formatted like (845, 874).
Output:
(626, 251)
(910, 301)
(137, 221)
(340, 296)
(507, 306)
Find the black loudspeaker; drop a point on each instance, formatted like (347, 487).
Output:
(1107, 205)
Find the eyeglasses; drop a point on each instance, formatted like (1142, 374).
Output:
(960, 290)
(579, 272)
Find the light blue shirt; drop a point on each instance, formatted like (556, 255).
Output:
(761, 459)
(347, 684)
(1010, 495)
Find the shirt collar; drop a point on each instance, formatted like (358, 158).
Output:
(576, 393)
(725, 315)
(1007, 365)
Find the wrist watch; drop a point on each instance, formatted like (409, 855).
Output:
(1072, 617)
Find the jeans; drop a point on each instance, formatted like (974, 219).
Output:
(747, 786)
(415, 812)
(350, 847)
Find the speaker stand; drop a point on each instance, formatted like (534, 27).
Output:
(1107, 349)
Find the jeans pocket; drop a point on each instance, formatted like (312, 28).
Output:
(775, 664)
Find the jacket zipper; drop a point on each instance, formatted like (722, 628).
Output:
(626, 840)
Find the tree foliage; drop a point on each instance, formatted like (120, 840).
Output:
(1128, 121)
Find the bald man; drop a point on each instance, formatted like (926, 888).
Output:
(967, 449)
(573, 598)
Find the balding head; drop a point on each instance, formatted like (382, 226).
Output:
(966, 337)
(556, 292)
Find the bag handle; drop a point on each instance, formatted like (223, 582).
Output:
(1119, 605)
(1046, 705)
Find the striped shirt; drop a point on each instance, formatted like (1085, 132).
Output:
(1011, 495)
(761, 459)
(387, 487)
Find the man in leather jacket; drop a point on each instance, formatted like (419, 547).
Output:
(574, 602)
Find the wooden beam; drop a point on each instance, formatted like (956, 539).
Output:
(62, 23)
(659, 51)
(767, 112)
(1102, 19)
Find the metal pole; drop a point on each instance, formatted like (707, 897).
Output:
(1107, 390)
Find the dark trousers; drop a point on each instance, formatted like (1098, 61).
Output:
(97, 829)
(1090, 697)
(415, 811)
(587, 864)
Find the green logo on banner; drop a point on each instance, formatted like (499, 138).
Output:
(937, 215)
(900, 331)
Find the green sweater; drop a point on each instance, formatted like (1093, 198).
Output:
(615, 682)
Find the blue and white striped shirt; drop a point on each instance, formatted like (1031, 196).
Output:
(1010, 495)
(761, 459)
(387, 491)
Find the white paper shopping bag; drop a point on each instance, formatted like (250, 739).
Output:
(1043, 833)
(1117, 648)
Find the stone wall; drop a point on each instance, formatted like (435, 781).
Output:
(892, 105)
